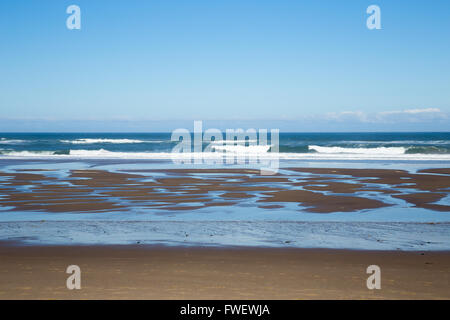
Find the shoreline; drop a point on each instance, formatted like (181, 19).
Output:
(399, 236)
(6, 245)
(157, 272)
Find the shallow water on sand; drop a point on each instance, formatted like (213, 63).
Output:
(244, 221)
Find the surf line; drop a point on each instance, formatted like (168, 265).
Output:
(239, 147)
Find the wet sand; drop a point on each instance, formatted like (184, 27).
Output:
(149, 272)
(318, 190)
(142, 272)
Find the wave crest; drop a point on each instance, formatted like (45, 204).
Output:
(366, 151)
(92, 141)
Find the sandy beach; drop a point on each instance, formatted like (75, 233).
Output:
(47, 203)
(235, 259)
(317, 190)
(140, 272)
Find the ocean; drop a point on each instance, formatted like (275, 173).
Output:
(352, 146)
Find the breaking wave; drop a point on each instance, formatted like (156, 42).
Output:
(92, 141)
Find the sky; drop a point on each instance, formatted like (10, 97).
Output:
(156, 65)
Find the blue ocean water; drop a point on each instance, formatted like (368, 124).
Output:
(414, 146)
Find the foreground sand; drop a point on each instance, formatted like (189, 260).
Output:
(139, 272)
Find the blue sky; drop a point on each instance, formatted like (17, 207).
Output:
(298, 65)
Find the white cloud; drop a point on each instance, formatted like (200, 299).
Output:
(412, 111)
(347, 115)
(407, 115)
(427, 110)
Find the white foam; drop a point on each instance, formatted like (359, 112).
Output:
(102, 153)
(91, 141)
(261, 153)
(354, 156)
(366, 151)
(412, 142)
(11, 141)
(27, 153)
